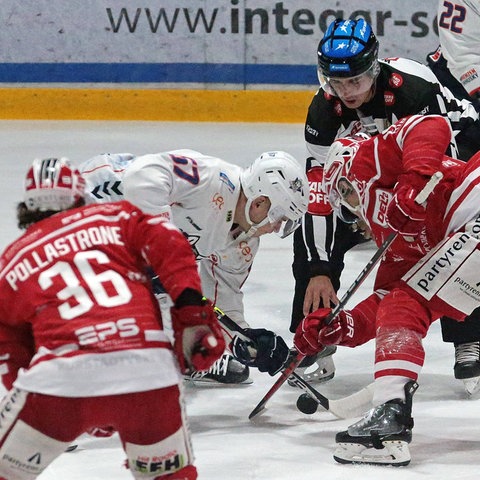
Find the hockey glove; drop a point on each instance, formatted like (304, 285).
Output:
(265, 350)
(404, 214)
(313, 335)
(198, 338)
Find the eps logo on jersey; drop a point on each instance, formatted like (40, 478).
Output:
(382, 199)
(107, 331)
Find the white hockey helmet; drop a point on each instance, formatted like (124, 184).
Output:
(278, 176)
(53, 184)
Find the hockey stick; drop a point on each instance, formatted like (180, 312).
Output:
(340, 306)
(420, 198)
(293, 361)
(353, 405)
(347, 407)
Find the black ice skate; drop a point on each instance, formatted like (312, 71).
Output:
(467, 365)
(382, 436)
(225, 371)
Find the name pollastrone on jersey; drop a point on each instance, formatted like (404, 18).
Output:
(29, 261)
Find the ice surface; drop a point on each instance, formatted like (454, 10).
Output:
(282, 444)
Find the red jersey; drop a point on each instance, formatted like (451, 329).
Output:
(77, 309)
(453, 206)
(380, 163)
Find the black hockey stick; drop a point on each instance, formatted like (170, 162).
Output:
(420, 198)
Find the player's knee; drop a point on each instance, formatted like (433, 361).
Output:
(401, 310)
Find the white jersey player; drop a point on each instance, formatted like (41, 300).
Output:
(221, 208)
(459, 33)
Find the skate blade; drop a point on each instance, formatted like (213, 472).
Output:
(210, 383)
(471, 385)
(395, 453)
(318, 377)
(315, 373)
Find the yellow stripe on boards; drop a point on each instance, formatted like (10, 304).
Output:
(149, 104)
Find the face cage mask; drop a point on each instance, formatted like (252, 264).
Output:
(283, 226)
(365, 80)
(341, 207)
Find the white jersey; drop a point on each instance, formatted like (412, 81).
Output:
(200, 193)
(197, 192)
(459, 32)
(224, 272)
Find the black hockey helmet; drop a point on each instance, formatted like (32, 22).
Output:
(348, 48)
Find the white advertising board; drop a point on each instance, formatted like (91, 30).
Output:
(232, 41)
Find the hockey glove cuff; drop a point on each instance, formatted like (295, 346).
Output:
(198, 337)
(264, 350)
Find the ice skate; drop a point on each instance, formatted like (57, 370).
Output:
(381, 437)
(225, 371)
(318, 368)
(467, 366)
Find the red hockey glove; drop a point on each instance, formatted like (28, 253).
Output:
(404, 214)
(312, 334)
(198, 338)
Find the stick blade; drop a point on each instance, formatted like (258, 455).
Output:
(292, 364)
(310, 391)
(258, 410)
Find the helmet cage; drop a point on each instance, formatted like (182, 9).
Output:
(336, 180)
(284, 225)
(362, 82)
(279, 177)
(52, 184)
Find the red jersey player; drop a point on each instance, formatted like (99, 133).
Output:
(428, 271)
(81, 337)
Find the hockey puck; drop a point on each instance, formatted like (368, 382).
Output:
(306, 404)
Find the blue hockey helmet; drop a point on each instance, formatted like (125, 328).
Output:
(349, 48)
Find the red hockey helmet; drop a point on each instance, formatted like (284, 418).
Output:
(337, 181)
(53, 184)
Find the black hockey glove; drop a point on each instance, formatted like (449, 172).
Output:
(264, 350)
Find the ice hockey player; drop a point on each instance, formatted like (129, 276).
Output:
(456, 62)
(219, 207)
(428, 271)
(361, 94)
(81, 335)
